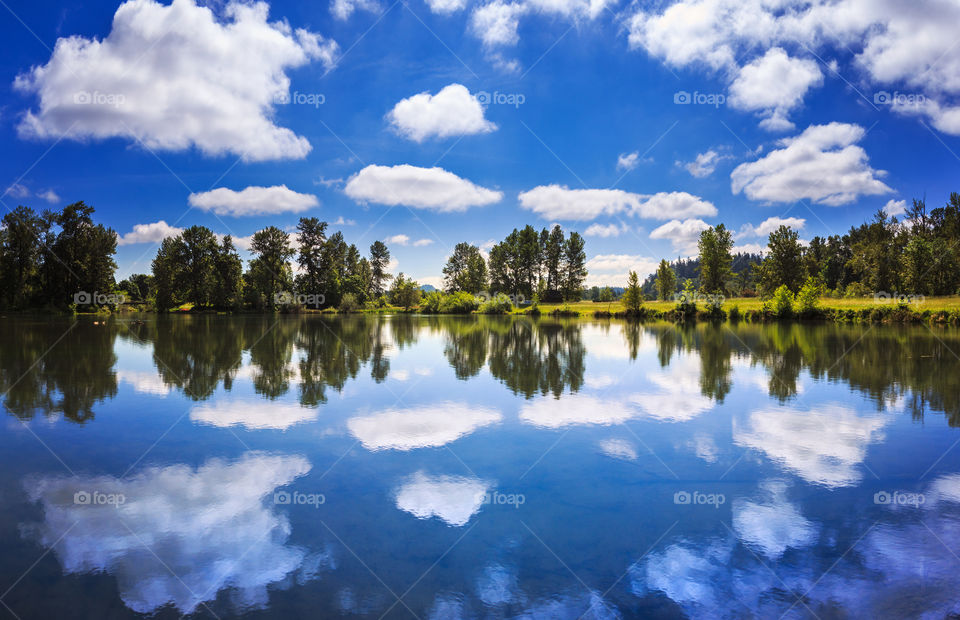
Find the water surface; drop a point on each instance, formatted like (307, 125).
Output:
(448, 467)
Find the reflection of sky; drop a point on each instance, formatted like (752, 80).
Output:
(420, 427)
(453, 499)
(252, 414)
(181, 535)
(823, 444)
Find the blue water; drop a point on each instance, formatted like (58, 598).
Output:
(472, 468)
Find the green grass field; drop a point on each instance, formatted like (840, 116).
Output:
(587, 308)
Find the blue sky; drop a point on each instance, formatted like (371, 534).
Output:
(451, 120)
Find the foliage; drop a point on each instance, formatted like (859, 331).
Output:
(686, 301)
(405, 293)
(715, 259)
(666, 281)
(784, 262)
(633, 296)
(808, 299)
(781, 304)
(498, 304)
(379, 260)
(466, 270)
(349, 303)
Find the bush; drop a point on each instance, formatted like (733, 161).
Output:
(498, 304)
(458, 303)
(686, 301)
(856, 290)
(349, 303)
(782, 302)
(430, 304)
(734, 313)
(808, 299)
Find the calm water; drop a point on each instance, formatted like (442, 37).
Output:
(473, 468)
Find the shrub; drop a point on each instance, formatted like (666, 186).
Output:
(808, 299)
(348, 303)
(856, 290)
(782, 302)
(458, 303)
(498, 304)
(734, 313)
(430, 304)
(686, 301)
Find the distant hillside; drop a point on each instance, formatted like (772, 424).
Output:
(427, 288)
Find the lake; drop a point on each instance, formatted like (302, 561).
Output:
(474, 467)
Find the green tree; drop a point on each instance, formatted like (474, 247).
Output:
(666, 281)
(784, 262)
(465, 270)
(269, 272)
(379, 260)
(633, 296)
(405, 293)
(574, 270)
(553, 258)
(22, 234)
(227, 276)
(80, 257)
(715, 258)
(312, 236)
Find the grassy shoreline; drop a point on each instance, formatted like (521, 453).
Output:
(938, 310)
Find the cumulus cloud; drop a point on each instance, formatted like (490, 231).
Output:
(774, 84)
(343, 9)
(683, 235)
(575, 409)
(252, 414)
(154, 232)
(704, 164)
(421, 188)
(175, 76)
(628, 161)
(446, 7)
(610, 230)
(613, 269)
(822, 164)
(451, 112)
(767, 226)
(181, 535)
(898, 45)
(253, 200)
(420, 427)
(405, 240)
(19, 190)
(562, 203)
(495, 23)
(895, 207)
(452, 499)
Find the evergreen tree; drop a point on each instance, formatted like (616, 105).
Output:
(666, 281)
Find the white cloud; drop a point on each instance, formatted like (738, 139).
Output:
(422, 188)
(767, 226)
(683, 235)
(253, 200)
(453, 499)
(610, 230)
(155, 232)
(181, 535)
(252, 414)
(575, 409)
(446, 7)
(822, 164)
(562, 203)
(144, 382)
(342, 222)
(618, 449)
(17, 190)
(613, 269)
(774, 84)
(704, 164)
(174, 76)
(451, 112)
(420, 427)
(895, 207)
(50, 196)
(405, 240)
(772, 527)
(822, 445)
(628, 161)
(343, 9)
(679, 397)
(495, 23)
